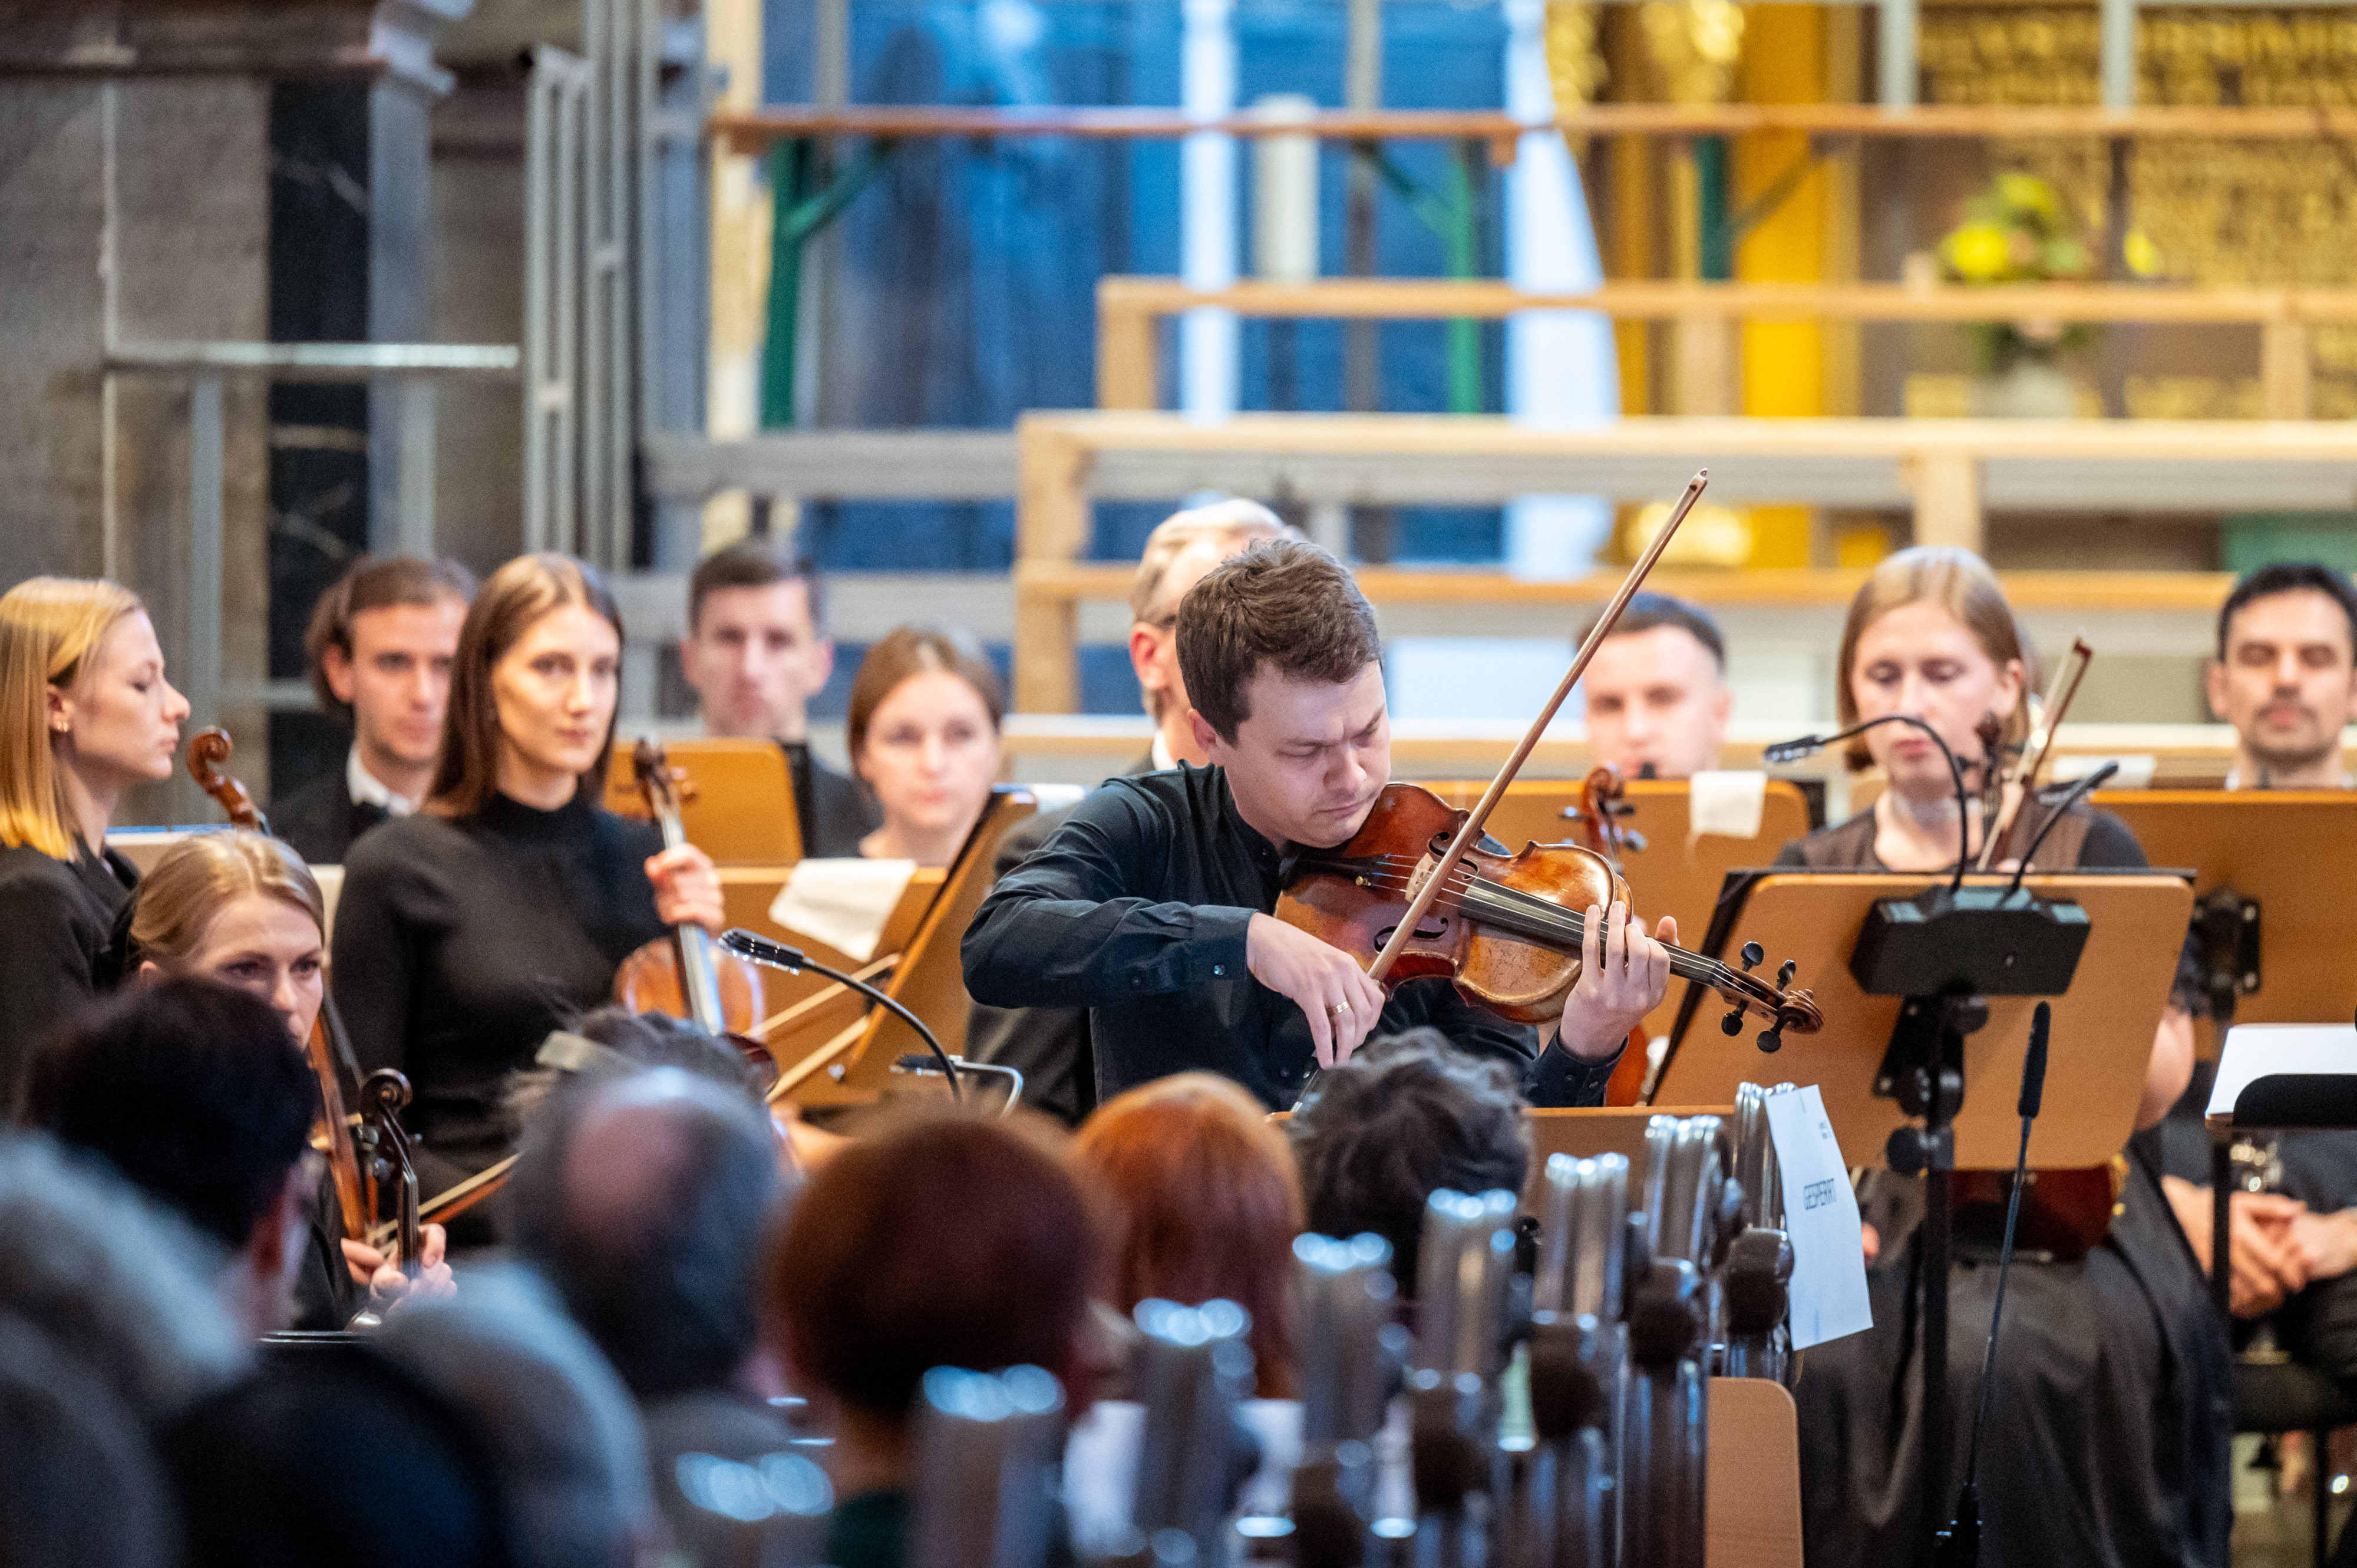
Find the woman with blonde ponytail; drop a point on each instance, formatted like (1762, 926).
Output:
(85, 712)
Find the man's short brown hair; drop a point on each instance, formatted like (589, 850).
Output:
(375, 582)
(1282, 603)
(754, 561)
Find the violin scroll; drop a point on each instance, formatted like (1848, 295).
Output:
(209, 753)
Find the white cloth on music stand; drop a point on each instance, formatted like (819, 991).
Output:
(843, 903)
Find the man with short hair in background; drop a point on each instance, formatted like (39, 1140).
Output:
(1050, 1046)
(1658, 700)
(380, 645)
(2286, 676)
(757, 652)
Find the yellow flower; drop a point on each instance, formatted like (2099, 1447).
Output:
(1978, 253)
(2027, 193)
(2141, 254)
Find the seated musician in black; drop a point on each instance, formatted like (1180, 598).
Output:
(380, 646)
(1152, 905)
(85, 714)
(243, 909)
(504, 907)
(2111, 1406)
(757, 652)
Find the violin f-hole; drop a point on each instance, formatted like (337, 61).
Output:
(1426, 931)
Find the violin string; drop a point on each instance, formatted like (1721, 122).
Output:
(1468, 889)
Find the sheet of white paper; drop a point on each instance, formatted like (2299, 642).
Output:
(1726, 804)
(2254, 1051)
(1828, 1292)
(843, 903)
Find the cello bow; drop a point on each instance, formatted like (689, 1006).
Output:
(1470, 832)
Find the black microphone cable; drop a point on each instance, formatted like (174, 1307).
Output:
(777, 955)
(2078, 792)
(1959, 1546)
(1808, 745)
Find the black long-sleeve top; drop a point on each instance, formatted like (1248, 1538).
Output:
(1136, 908)
(461, 942)
(57, 916)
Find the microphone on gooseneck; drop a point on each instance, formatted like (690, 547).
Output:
(1959, 1545)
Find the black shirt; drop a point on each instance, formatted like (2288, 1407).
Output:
(58, 916)
(1136, 908)
(321, 819)
(461, 943)
(836, 812)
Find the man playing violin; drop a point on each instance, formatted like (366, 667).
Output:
(1153, 905)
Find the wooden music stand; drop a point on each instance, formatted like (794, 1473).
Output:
(930, 980)
(1751, 1491)
(1674, 874)
(747, 891)
(738, 802)
(2103, 1030)
(2239, 840)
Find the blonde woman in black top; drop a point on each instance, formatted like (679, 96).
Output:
(501, 910)
(85, 712)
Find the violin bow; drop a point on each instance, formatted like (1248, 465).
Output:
(1478, 819)
(2039, 745)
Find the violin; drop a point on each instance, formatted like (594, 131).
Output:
(1505, 928)
(685, 974)
(383, 1093)
(209, 753)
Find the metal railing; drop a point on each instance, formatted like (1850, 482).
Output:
(413, 367)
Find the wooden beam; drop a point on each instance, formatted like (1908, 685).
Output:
(750, 132)
(1126, 372)
(1947, 486)
(2284, 373)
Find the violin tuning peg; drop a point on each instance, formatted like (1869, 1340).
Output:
(1752, 954)
(1732, 1024)
(1784, 973)
(1771, 1040)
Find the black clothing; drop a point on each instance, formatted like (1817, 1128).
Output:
(460, 943)
(2114, 1399)
(326, 1295)
(2102, 841)
(1048, 1046)
(1136, 908)
(834, 812)
(58, 916)
(321, 819)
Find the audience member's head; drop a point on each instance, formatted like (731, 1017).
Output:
(2285, 674)
(1203, 1203)
(380, 644)
(645, 1200)
(111, 1282)
(77, 1484)
(940, 1239)
(757, 649)
(1178, 553)
(192, 1089)
(1658, 700)
(334, 1456)
(923, 731)
(568, 1458)
(1406, 1116)
(621, 1042)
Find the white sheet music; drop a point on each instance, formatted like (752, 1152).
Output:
(1828, 1290)
(2255, 1050)
(1729, 803)
(843, 903)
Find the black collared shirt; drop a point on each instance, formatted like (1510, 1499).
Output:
(1137, 910)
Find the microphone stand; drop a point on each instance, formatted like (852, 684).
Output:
(1959, 1545)
(761, 949)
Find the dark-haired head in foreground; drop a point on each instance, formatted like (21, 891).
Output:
(1405, 1117)
(193, 1090)
(334, 1455)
